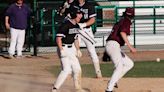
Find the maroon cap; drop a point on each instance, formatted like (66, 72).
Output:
(129, 11)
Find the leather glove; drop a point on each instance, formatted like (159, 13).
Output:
(63, 54)
(82, 25)
(78, 53)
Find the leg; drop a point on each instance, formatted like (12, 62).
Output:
(113, 49)
(66, 70)
(127, 65)
(76, 73)
(20, 43)
(14, 34)
(92, 51)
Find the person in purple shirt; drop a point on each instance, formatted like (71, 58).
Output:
(116, 39)
(16, 18)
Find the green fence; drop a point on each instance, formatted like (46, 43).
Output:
(46, 20)
(152, 16)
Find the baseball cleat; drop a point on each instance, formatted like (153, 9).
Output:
(11, 57)
(108, 91)
(54, 90)
(116, 86)
(99, 75)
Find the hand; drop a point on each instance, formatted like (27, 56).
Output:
(66, 5)
(63, 53)
(82, 25)
(78, 53)
(7, 26)
(133, 50)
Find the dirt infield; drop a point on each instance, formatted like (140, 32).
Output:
(29, 74)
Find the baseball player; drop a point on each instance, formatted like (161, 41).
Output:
(63, 9)
(66, 36)
(85, 24)
(116, 39)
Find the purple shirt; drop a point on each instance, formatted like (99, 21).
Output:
(122, 26)
(18, 16)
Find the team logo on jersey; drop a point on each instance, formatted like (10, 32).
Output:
(85, 11)
(73, 31)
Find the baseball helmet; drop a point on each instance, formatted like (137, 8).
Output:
(129, 11)
(73, 11)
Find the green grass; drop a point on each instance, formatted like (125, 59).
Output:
(141, 69)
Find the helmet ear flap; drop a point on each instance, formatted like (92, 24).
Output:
(73, 15)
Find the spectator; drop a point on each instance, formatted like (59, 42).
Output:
(16, 20)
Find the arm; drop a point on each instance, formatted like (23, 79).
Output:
(77, 44)
(7, 22)
(124, 36)
(78, 52)
(59, 43)
(90, 21)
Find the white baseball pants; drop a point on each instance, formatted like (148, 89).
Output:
(17, 41)
(92, 51)
(70, 65)
(122, 63)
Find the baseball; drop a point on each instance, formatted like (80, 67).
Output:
(158, 60)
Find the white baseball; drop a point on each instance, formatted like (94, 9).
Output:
(158, 60)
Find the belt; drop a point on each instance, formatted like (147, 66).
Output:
(67, 45)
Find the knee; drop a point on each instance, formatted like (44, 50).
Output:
(67, 70)
(131, 65)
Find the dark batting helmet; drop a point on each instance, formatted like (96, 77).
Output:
(73, 11)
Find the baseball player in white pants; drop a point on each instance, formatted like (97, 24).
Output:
(116, 39)
(87, 20)
(122, 63)
(66, 36)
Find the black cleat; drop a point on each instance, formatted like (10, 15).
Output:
(116, 86)
(108, 91)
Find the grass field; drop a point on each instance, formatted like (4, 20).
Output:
(141, 69)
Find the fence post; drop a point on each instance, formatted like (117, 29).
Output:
(134, 25)
(53, 25)
(41, 26)
(35, 28)
(154, 20)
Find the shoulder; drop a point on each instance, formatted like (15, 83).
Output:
(12, 5)
(65, 24)
(25, 5)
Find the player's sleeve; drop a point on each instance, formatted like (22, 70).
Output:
(91, 11)
(62, 31)
(8, 11)
(125, 28)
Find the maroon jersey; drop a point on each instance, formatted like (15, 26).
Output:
(122, 26)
